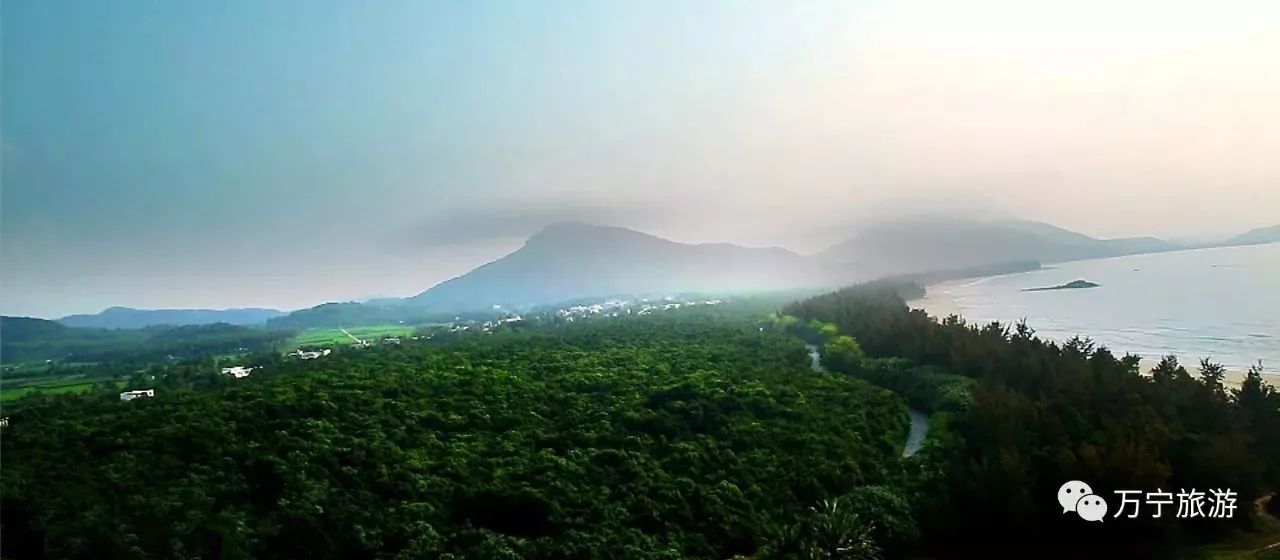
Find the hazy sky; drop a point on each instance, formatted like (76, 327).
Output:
(250, 153)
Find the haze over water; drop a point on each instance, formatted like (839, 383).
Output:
(1221, 303)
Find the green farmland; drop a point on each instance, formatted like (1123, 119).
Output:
(52, 387)
(335, 337)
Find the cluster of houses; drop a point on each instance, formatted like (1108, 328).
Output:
(609, 308)
(617, 307)
(647, 309)
(241, 372)
(310, 354)
(486, 326)
(385, 341)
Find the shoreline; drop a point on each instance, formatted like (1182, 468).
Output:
(1232, 379)
(940, 304)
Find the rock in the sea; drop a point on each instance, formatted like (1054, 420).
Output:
(1072, 285)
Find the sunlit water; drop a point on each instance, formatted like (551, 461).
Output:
(1217, 303)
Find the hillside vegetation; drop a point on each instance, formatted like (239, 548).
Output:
(129, 318)
(684, 438)
(24, 339)
(1042, 414)
(699, 434)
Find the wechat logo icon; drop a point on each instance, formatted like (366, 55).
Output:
(1077, 496)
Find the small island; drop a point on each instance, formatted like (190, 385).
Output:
(1072, 285)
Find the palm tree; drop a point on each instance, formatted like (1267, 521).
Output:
(837, 533)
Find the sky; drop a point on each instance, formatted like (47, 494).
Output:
(284, 154)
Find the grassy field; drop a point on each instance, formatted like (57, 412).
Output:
(335, 337)
(51, 388)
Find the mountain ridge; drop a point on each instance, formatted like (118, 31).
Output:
(32, 338)
(132, 318)
(618, 261)
(567, 261)
(574, 259)
(917, 245)
(1256, 236)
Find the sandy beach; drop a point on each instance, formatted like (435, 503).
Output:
(937, 301)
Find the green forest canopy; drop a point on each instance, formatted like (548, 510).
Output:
(646, 438)
(27, 339)
(693, 435)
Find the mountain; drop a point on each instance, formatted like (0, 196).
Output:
(26, 329)
(383, 311)
(923, 244)
(347, 314)
(1256, 236)
(129, 318)
(576, 260)
(27, 338)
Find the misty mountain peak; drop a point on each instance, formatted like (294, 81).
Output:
(571, 260)
(582, 234)
(568, 228)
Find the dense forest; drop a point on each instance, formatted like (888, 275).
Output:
(679, 438)
(695, 434)
(1039, 414)
(26, 339)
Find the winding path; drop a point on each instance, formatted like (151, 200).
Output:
(919, 420)
(353, 337)
(915, 435)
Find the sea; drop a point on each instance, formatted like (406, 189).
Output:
(1219, 303)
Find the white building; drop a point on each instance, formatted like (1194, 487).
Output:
(139, 394)
(305, 355)
(237, 372)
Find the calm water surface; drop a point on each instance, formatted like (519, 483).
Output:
(1217, 303)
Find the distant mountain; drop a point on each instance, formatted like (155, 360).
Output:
(26, 329)
(575, 260)
(129, 318)
(27, 338)
(1256, 236)
(351, 314)
(347, 314)
(916, 245)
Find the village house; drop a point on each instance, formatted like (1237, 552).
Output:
(238, 372)
(139, 394)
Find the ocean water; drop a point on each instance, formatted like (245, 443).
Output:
(1218, 303)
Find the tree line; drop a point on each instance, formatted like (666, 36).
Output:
(700, 434)
(1038, 413)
